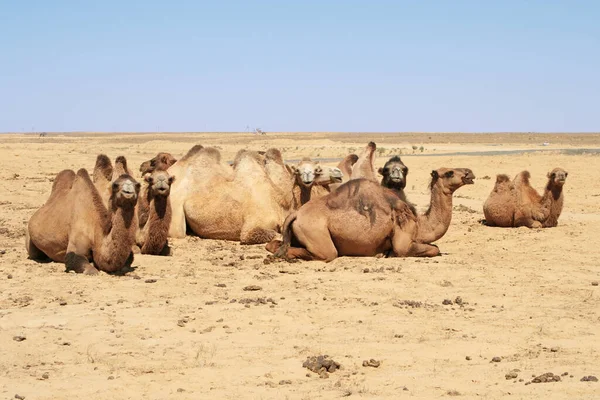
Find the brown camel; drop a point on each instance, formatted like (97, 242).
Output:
(394, 174)
(162, 161)
(362, 218)
(154, 213)
(516, 203)
(76, 228)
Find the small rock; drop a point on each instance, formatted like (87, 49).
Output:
(110, 378)
(17, 396)
(19, 338)
(554, 349)
(545, 378)
(447, 302)
(285, 382)
(468, 358)
(252, 288)
(365, 271)
(590, 378)
(595, 283)
(221, 285)
(63, 303)
(511, 375)
(150, 280)
(180, 390)
(458, 300)
(45, 375)
(9, 276)
(496, 359)
(371, 363)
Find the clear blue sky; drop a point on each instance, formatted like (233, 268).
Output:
(306, 65)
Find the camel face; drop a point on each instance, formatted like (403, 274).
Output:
(125, 190)
(307, 171)
(161, 161)
(452, 178)
(394, 174)
(558, 176)
(328, 176)
(159, 182)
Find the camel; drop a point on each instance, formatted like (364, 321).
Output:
(154, 213)
(365, 164)
(363, 218)
(312, 181)
(76, 228)
(394, 174)
(162, 161)
(516, 203)
(219, 202)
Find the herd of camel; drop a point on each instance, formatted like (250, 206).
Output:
(99, 222)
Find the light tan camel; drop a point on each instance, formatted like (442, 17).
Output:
(76, 228)
(516, 203)
(365, 164)
(219, 202)
(362, 218)
(154, 213)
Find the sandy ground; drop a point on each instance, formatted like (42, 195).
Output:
(194, 333)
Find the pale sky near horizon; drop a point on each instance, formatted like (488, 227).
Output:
(468, 66)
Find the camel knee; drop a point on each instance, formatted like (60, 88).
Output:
(424, 250)
(273, 246)
(77, 263)
(257, 236)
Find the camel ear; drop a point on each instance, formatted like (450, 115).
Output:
(551, 175)
(380, 171)
(295, 170)
(566, 174)
(148, 178)
(449, 174)
(171, 179)
(434, 174)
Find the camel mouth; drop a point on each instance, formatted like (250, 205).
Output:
(468, 180)
(127, 194)
(396, 179)
(336, 179)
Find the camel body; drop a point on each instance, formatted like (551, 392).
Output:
(516, 203)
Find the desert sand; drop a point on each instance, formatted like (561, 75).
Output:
(183, 327)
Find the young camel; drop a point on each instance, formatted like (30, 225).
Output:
(516, 203)
(76, 228)
(154, 213)
(362, 218)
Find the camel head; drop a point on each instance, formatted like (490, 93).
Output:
(394, 174)
(125, 191)
(329, 175)
(450, 179)
(159, 183)
(557, 177)
(307, 171)
(161, 161)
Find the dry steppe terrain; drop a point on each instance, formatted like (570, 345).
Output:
(522, 302)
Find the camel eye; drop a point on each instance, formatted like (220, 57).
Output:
(449, 174)
(405, 170)
(115, 186)
(566, 174)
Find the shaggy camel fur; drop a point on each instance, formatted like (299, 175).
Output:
(219, 202)
(76, 228)
(162, 161)
(362, 218)
(394, 174)
(516, 203)
(154, 211)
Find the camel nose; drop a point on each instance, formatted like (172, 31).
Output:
(307, 177)
(397, 174)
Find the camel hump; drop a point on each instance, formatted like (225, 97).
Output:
(192, 152)
(352, 159)
(83, 173)
(103, 162)
(523, 177)
(212, 153)
(501, 178)
(275, 155)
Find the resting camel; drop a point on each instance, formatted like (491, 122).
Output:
(76, 228)
(516, 203)
(394, 174)
(162, 161)
(219, 202)
(362, 218)
(154, 213)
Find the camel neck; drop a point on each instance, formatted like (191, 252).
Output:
(112, 248)
(159, 206)
(436, 220)
(552, 203)
(305, 193)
